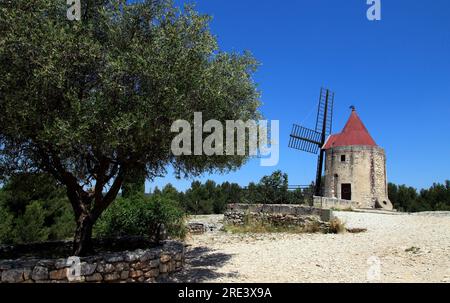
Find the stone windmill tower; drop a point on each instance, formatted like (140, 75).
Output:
(355, 167)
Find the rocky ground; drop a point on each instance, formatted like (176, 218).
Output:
(395, 248)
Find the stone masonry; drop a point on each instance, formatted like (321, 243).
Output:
(364, 168)
(279, 215)
(355, 167)
(142, 265)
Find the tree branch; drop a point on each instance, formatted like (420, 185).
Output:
(101, 205)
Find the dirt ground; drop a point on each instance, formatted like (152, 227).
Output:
(395, 248)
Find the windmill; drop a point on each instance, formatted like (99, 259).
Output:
(312, 141)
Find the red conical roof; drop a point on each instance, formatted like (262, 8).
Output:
(354, 133)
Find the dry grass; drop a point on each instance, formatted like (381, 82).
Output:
(356, 230)
(348, 209)
(337, 226)
(259, 227)
(264, 228)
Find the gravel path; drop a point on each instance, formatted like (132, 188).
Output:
(395, 248)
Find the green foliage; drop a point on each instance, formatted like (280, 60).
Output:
(130, 189)
(252, 194)
(212, 198)
(436, 198)
(199, 198)
(134, 183)
(169, 192)
(141, 216)
(63, 223)
(156, 191)
(227, 193)
(92, 102)
(20, 190)
(274, 188)
(25, 194)
(297, 196)
(30, 227)
(33, 207)
(6, 225)
(104, 92)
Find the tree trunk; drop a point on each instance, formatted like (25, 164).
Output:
(82, 244)
(87, 214)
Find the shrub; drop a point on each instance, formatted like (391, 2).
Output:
(6, 220)
(337, 226)
(30, 227)
(142, 216)
(63, 223)
(54, 215)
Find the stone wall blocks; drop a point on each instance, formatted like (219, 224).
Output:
(13, 276)
(88, 269)
(145, 267)
(39, 273)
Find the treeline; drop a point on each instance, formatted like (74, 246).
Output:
(33, 207)
(212, 198)
(408, 199)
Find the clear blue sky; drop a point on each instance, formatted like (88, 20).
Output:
(395, 71)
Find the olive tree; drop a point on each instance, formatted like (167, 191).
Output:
(92, 101)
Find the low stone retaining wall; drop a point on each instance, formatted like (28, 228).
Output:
(142, 265)
(282, 215)
(196, 228)
(334, 203)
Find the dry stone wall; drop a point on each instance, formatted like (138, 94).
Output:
(335, 204)
(281, 215)
(142, 265)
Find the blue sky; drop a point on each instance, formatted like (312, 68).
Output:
(395, 71)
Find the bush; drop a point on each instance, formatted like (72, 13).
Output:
(21, 190)
(408, 199)
(30, 226)
(6, 221)
(63, 223)
(337, 226)
(142, 216)
(34, 204)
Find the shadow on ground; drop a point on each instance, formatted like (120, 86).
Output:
(201, 265)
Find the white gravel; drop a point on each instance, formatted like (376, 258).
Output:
(395, 248)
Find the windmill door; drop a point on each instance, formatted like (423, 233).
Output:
(346, 191)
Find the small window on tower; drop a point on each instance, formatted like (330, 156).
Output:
(343, 158)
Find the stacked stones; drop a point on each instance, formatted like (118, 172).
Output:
(140, 265)
(196, 228)
(279, 215)
(336, 204)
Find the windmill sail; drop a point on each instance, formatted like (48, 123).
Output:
(312, 141)
(324, 121)
(305, 139)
